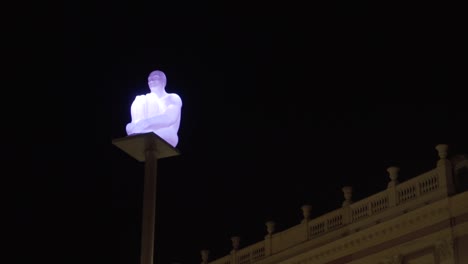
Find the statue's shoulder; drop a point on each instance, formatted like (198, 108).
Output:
(174, 98)
(140, 97)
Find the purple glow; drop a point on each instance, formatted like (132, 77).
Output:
(157, 111)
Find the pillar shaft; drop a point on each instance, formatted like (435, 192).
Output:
(147, 148)
(149, 208)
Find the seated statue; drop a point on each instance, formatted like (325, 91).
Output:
(157, 111)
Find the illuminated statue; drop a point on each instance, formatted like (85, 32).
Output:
(157, 111)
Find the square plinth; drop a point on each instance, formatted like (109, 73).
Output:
(135, 146)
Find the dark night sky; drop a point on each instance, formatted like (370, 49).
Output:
(283, 104)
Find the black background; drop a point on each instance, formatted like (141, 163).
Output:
(283, 104)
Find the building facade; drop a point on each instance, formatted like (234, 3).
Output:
(423, 220)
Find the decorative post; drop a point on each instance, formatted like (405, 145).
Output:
(204, 256)
(347, 193)
(235, 243)
(270, 227)
(235, 240)
(393, 174)
(147, 148)
(306, 210)
(444, 169)
(268, 238)
(391, 186)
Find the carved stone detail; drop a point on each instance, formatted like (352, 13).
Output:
(444, 249)
(395, 259)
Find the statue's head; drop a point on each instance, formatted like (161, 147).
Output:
(157, 80)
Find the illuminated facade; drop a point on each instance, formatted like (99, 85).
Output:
(423, 220)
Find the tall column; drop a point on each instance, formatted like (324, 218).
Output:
(147, 148)
(149, 205)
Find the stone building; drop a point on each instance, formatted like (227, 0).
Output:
(423, 220)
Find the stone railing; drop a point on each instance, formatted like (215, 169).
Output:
(246, 255)
(251, 254)
(326, 223)
(416, 187)
(423, 189)
(370, 206)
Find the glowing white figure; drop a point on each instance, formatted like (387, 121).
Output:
(157, 112)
